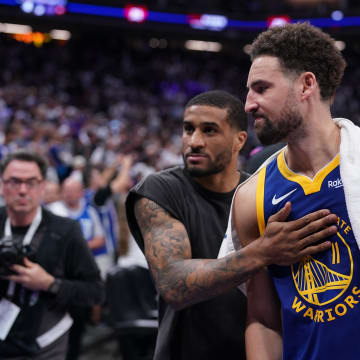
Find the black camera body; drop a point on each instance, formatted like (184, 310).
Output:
(11, 253)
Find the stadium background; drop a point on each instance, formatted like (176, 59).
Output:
(101, 78)
(118, 81)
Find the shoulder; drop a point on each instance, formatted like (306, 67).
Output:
(64, 231)
(165, 189)
(57, 208)
(247, 189)
(245, 194)
(162, 186)
(169, 176)
(244, 210)
(58, 223)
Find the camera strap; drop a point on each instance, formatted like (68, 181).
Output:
(26, 241)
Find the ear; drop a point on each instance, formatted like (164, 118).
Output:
(308, 84)
(42, 188)
(1, 188)
(240, 139)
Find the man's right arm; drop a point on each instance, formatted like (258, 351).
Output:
(183, 281)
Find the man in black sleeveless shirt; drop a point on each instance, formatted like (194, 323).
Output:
(179, 217)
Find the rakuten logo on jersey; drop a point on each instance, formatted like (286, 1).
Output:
(335, 183)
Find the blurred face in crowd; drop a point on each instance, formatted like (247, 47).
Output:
(208, 140)
(272, 101)
(72, 193)
(22, 187)
(51, 192)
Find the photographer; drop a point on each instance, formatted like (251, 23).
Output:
(45, 266)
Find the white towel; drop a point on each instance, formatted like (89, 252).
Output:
(350, 171)
(350, 175)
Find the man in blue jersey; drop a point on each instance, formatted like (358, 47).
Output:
(81, 211)
(78, 209)
(304, 311)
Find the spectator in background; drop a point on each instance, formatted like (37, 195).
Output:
(78, 209)
(112, 184)
(128, 101)
(78, 164)
(81, 211)
(52, 198)
(106, 192)
(59, 272)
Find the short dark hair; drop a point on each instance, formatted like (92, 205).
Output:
(302, 47)
(223, 100)
(25, 155)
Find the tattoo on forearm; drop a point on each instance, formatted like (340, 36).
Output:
(183, 279)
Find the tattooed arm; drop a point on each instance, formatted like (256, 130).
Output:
(183, 281)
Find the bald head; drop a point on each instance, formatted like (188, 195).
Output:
(72, 192)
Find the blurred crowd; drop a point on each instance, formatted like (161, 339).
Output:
(100, 99)
(89, 101)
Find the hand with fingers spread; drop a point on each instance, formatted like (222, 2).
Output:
(285, 243)
(31, 275)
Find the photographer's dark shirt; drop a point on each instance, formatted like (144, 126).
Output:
(59, 247)
(18, 234)
(22, 297)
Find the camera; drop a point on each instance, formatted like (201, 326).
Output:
(11, 253)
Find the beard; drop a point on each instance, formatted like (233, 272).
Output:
(213, 166)
(289, 125)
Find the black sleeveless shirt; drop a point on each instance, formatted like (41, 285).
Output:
(212, 329)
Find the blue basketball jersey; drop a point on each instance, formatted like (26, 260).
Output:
(109, 221)
(88, 228)
(320, 295)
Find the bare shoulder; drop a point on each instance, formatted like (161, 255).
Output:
(247, 190)
(165, 238)
(148, 213)
(244, 211)
(159, 228)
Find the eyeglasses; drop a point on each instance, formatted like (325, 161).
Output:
(15, 183)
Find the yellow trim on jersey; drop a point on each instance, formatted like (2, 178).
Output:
(260, 200)
(309, 186)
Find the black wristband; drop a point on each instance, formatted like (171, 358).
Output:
(54, 287)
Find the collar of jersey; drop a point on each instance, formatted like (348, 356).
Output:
(309, 186)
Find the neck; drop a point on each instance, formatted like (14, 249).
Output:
(21, 219)
(319, 145)
(222, 182)
(74, 206)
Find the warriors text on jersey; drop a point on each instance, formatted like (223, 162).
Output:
(320, 295)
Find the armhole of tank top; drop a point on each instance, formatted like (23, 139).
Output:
(260, 200)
